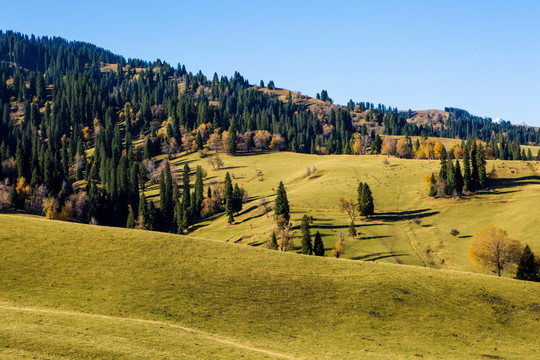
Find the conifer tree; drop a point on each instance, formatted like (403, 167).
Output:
(365, 200)
(282, 204)
(458, 178)
(307, 246)
(443, 172)
(318, 246)
(450, 178)
(198, 189)
(352, 230)
(528, 267)
(481, 166)
(232, 137)
(229, 210)
(273, 241)
(467, 182)
(130, 224)
(474, 166)
(237, 199)
(186, 198)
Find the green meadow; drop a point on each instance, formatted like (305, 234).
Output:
(74, 291)
(409, 227)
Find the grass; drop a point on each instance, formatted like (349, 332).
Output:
(79, 291)
(408, 227)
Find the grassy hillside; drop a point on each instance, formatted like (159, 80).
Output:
(79, 291)
(408, 227)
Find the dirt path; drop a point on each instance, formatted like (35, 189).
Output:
(144, 321)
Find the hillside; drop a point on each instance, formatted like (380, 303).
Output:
(79, 291)
(408, 227)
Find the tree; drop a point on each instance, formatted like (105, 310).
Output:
(232, 137)
(347, 205)
(264, 204)
(528, 267)
(318, 246)
(458, 178)
(273, 241)
(307, 246)
(491, 248)
(338, 249)
(236, 199)
(198, 189)
(352, 230)
(365, 200)
(282, 204)
(467, 182)
(130, 224)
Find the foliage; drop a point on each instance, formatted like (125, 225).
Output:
(528, 267)
(491, 248)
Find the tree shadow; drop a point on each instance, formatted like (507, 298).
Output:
(501, 183)
(373, 237)
(378, 256)
(464, 236)
(233, 167)
(404, 215)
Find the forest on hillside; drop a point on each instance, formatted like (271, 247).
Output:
(83, 130)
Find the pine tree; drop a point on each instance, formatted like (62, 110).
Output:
(186, 198)
(443, 172)
(352, 230)
(474, 166)
(198, 189)
(450, 178)
(467, 182)
(229, 210)
(365, 200)
(237, 199)
(232, 137)
(130, 224)
(481, 166)
(318, 246)
(282, 204)
(273, 241)
(307, 246)
(528, 268)
(458, 178)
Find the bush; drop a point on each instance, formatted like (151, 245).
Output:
(454, 232)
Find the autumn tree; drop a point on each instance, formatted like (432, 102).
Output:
(388, 146)
(339, 248)
(348, 206)
(491, 248)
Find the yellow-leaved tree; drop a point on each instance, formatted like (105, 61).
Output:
(491, 248)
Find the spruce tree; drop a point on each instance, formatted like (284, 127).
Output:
(237, 199)
(352, 230)
(130, 224)
(365, 200)
(307, 246)
(467, 182)
(458, 178)
(186, 198)
(318, 246)
(198, 189)
(450, 178)
(474, 166)
(443, 172)
(273, 241)
(232, 137)
(481, 166)
(528, 268)
(282, 204)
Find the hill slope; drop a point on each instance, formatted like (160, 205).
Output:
(240, 301)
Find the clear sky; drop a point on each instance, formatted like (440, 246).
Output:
(482, 56)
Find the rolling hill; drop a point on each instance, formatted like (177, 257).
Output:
(74, 291)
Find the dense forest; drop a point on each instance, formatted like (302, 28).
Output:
(72, 112)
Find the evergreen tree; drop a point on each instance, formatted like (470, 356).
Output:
(186, 198)
(443, 172)
(229, 210)
(458, 178)
(481, 166)
(365, 200)
(318, 246)
(352, 230)
(130, 224)
(474, 166)
(166, 203)
(273, 241)
(528, 267)
(282, 204)
(467, 181)
(307, 246)
(232, 137)
(450, 178)
(198, 189)
(237, 199)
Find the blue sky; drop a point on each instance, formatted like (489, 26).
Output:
(482, 56)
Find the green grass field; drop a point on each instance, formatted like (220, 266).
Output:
(409, 226)
(73, 291)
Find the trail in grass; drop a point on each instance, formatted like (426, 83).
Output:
(145, 321)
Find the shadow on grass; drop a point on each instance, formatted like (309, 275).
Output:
(404, 215)
(378, 256)
(501, 183)
(373, 237)
(464, 236)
